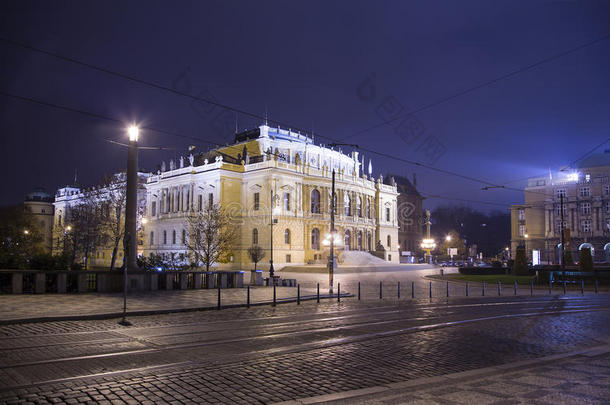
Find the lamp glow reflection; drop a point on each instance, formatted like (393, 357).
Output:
(337, 240)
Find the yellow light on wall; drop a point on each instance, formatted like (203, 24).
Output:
(428, 244)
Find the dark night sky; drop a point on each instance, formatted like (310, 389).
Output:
(304, 62)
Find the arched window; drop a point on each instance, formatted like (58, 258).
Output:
(359, 207)
(255, 236)
(184, 236)
(315, 201)
(389, 241)
(164, 237)
(359, 240)
(368, 208)
(347, 205)
(174, 237)
(287, 236)
(347, 239)
(315, 239)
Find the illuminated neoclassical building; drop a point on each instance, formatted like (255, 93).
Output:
(272, 167)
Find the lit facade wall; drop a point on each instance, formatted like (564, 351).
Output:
(297, 173)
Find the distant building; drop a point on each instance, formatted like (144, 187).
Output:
(537, 223)
(66, 198)
(39, 204)
(410, 214)
(243, 177)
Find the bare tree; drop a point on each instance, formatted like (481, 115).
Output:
(256, 254)
(211, 235)
(86, 222)
(114, 212)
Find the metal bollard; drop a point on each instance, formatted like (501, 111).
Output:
(467, 288)
(274, 296)
(298, 294)
(381, 290)
(338, 292)
(218, 296)
(550, 287)
(595, 286)
(483, 290)
(248, 298)
(430, 289)
(582, 287)
(412, 289)
(399, 290)
(515, 287)
(318, 293)
(532, 288)
(564, 287)
(358, 290)
(447, 288)
(499, 288)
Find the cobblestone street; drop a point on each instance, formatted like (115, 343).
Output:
(270, 354)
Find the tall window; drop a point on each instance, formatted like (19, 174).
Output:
(286, 201)
(165, 237)
(347, 205)
(586, 208)
(586, 225)
(521, 215)
(607, 190)
(152, 238)
(211, 200)
(153, 208)
(389, 241)
(315, 239)
(287, 236)
(315, 201)
(199, 202)
(585, 191)
(257, 201)
(174, 237)
(559, 209)
(255, 236)
(521, 230)
(184, 236)
(561, 225)
(359, 206)
(368, 208)
(561, 192)
(387, 214)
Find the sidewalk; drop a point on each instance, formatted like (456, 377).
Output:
(581, 377)
(21, 308)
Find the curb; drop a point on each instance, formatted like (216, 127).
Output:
(424, 382)
(113, 315)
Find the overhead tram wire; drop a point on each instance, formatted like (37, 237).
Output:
(253, 115)
(484, 84)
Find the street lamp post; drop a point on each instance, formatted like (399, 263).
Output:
(428, 244)
(130, 238)
(331, 256)
(271, 270)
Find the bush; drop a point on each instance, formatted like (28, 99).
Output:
(482, 271)
(520, 268)
(586, 261)
(76, 266)
(44, 261)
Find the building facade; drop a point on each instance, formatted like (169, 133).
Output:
(410, 216)
(108, 198)
(273, 172)
(585, 190)
(39, 205)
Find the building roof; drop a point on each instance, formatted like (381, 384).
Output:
(39, 194)
(403, 184)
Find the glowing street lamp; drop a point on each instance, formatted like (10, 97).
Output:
(68, 228)
(448, 238)
(26, 232)
(133, 132)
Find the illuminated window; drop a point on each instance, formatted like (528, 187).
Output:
(586, 225)
(585, 208)
(585, 191)
(607, 190)
(607, 205)
(286, 201)
(521, 215)
(257, 198)
(521, 230)
(315, 239)
(587, 177)
(287, 236)
(559, 209)
(561, 192)
(255, 236)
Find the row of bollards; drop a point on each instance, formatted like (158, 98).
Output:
(399, 291)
